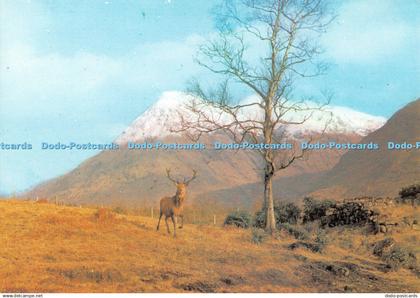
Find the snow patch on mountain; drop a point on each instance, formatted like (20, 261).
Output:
(163, 117)
(158, 120)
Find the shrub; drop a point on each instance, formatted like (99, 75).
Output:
(400, 257)
(383, 247)
(287, 213)
(410, 194)
(394, 255)
(314, 210)
(296, 232)
(258, 236)
(350, 213)
(314, 247)
(283, 213)
(240, 219)
(409, 191)
(260, 219)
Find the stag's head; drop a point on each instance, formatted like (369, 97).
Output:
(181, 185)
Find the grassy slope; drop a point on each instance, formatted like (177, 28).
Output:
(48, 248)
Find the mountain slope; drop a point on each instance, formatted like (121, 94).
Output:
(358, 173)
(381, 172)
(137, 177)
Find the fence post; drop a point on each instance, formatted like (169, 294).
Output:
(152, 211)
(214, 219)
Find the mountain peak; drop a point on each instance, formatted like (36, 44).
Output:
(171, 99)
(158, 120)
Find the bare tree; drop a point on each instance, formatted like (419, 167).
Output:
(283, 33)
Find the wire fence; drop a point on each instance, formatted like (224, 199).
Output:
(192, 215)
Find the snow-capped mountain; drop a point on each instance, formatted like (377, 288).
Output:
(163, 117)
(229, 179)
(157, 120)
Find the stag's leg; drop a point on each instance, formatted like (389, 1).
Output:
(160, 216)
(167, 225)
(182, 221)
(173, 217)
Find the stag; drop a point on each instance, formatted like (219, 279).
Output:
(172, 207)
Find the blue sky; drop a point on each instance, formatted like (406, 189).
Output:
(83, 70)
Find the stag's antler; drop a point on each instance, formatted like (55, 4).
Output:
(168, 174)
(192, 178)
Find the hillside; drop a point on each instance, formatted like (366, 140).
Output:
(380, 172)
(49, 248)
(357, 173)
(137, 178)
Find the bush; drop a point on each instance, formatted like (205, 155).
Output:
(394, 255)
(260, 219)
(240, 219)
(350, 213)
(314, 247)
(314, 210)
(258, 236)
(400, 257)
(409, 191)
(383, 247)
(287, 213)
(296, 232)
(410, 194)
(283, 213)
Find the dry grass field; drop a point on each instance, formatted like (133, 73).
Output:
(49, 248)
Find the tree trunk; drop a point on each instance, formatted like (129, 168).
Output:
(268, 198)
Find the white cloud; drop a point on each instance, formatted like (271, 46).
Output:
(161, 63)
(28, 77)
(54, 74)
(35, 80)
(368, 32)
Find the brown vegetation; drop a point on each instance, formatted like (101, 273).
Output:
(50, 248)
(42, 201)
(104, 215)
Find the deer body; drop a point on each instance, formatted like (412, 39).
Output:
(172, 207)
